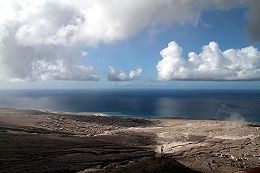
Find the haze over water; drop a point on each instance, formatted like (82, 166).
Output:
(206, 104)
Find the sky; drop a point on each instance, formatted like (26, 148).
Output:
(179, 44)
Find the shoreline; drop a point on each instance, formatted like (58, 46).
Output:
(133, 115)
(198, 145)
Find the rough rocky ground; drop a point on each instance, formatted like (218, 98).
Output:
(88, 124)
(208, 145)
(42, 141)
(37, 141)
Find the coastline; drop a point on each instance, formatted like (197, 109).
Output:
(96, 142)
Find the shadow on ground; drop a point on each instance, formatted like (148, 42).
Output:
(149, 165)
(37, 150)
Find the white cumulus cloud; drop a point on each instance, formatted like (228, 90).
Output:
(114, 75)
(210, 64)
(59, 70)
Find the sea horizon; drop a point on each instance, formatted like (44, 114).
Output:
(222, 104)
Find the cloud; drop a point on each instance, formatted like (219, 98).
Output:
(58, 70)
(253, 27)
(90, 22)
(210, 64)
(36, 42)
(114, 75)
(52, 31)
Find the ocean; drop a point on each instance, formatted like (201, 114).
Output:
(197, 104)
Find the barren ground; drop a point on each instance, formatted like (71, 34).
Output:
(41, 141)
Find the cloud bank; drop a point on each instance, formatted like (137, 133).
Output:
(210, 64)
(92, 21)
(114, 75)
(36, 36)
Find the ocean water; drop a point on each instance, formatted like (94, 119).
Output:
(205, 104)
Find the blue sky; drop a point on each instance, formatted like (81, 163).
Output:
(142, 49)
